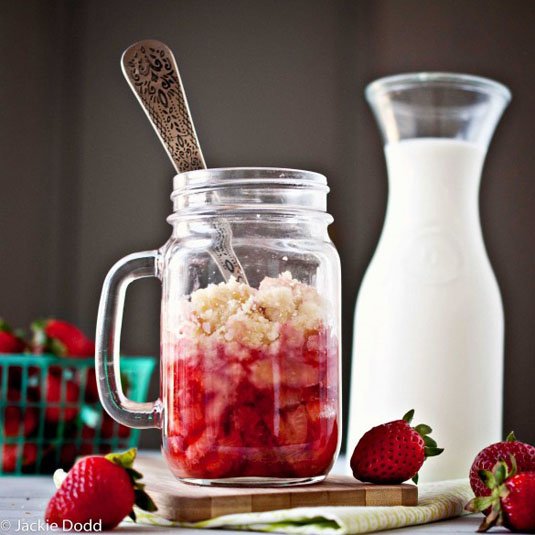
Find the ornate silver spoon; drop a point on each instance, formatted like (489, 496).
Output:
(152, 73)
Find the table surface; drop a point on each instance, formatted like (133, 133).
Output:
(23, 501)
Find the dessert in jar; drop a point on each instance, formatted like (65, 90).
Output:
(250, 368)
(253, 382)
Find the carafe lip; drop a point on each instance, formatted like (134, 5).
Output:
(221, 177)
(469, 82)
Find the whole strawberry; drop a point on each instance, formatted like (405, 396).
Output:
(511, 502)
(61, 394)
(61, 338)
(11, 454)
(10, 342)
(393, 452)
(487, 458)
(18, 421)
(99, 489)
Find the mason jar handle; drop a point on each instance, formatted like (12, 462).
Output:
(108, 338)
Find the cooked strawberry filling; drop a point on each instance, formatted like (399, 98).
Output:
(252, 383)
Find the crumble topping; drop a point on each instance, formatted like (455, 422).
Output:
(235, 312)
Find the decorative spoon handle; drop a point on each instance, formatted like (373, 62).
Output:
(151, 71)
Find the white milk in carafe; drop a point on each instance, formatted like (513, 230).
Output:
(429, 317)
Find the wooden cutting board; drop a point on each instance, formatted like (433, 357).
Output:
(190, 503)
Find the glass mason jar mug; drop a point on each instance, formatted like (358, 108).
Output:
(250, 372)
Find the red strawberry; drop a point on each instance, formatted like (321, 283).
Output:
(86, 449)
(10, 454)
(297, 374)
(124, 432)
(14, 382)
(54, 387)
(91, 389)
(511, 502)
(293, 427)
(68, 453)
(212, 457)
(316, 457)
(10, 342)
(246, 421)
(13, 419)
(99, 489)
(321, 416)
(61, 338)
(289, 398)
(489, 456)
(393, 452)
(109, 427)
(88, 432)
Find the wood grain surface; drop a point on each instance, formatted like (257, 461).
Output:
(190, 503)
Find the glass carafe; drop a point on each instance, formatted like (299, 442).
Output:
(429, 320)
(250, 389)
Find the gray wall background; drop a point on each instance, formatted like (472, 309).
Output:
(83, 180)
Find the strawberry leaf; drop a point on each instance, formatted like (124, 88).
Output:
(19, 333)
(5, 327)
(56, 347)
(408, 416)
(431, 448)
(144, 501)
(42, 343)
(494, 518)
(514, 466)
(135, 474)
(432, 452)
(500, 473)
(429, 442)
(126, 461)
(511, 437)
(423, 429)
(477, 505)
(415, 479)
(488, 478)
(39, 338)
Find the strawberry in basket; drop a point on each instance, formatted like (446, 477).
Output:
(61, 338)
(10, 341)
(56, 381)
(25, 454)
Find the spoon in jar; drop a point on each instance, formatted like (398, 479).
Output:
(150, 69)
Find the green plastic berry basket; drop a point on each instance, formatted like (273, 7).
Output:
(50, 412)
